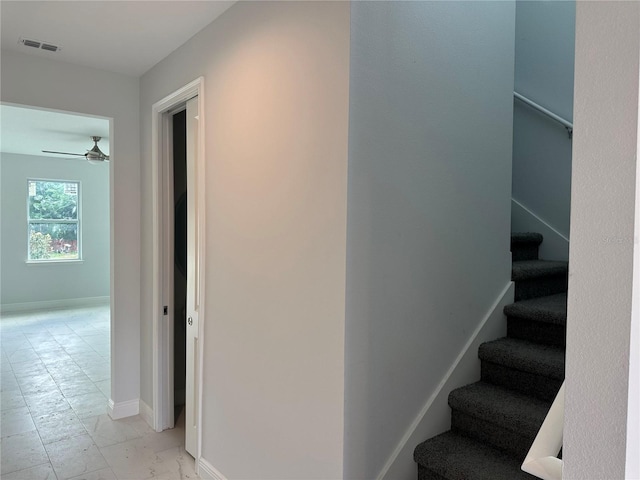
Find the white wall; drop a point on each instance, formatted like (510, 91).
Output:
(29, 283)
(276, 116)
(602, 240)
(29, 80)
(430, 144)
(545, 34)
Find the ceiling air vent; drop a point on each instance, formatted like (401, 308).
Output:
(49, 47)
(28, 42)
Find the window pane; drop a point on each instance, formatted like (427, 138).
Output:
(53, 200)
(53, 241)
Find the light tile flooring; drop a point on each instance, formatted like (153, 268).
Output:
(54, 386)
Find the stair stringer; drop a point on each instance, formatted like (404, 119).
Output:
(435, 416)
(555, 245)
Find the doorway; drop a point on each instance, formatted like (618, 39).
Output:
(56, 321)
(178, 206)
(179, 125)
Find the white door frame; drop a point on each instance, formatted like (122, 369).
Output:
(161, 169)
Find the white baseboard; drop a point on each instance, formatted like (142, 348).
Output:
(435, 416)
(123, 409)
(146, 412)
(54, 304)
(555, 245)
(208, 471)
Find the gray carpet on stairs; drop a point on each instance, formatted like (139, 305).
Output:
(497, 416)
(501, 406)
(526, 237)
(524, 246)
(525, 356)
(495, 420)
(549, 309)
(455, 457)
(539, 278)
(527, 269)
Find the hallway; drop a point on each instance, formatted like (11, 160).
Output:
(55, 382)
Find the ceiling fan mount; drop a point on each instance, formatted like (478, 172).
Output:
(93, 155)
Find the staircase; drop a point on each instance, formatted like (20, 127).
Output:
(494, 421)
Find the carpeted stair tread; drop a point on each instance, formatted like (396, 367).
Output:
(548, 309)
(456, 457)
(503, 407)
(532, 269)
(544, 360)
(494, 421)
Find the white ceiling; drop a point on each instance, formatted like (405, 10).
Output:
(127, 37)
(29, 131)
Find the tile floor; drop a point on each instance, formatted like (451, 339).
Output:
(54, 387)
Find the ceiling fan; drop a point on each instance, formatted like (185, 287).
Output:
(93, 155)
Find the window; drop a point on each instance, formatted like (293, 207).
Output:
(54, 220)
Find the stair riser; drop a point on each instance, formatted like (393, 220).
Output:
(493, 429)
(426, 474)
(538, 332)
(544, 388)
(540, 287)
(514, 443)
(524, 251)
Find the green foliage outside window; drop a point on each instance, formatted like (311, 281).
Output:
(53, 220)
(52, 201)
(39, 246)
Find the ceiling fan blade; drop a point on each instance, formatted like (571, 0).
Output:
(65, 153)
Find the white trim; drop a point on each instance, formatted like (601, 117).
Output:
(555, 245)
(542, 460)
(632, 465)
(77, 222)
(146, 412)
(123, 409)
(201, 254)
(54, 304)
(53, 262)
(160, 355)
(540, 220)
(58, 110)
(208, 471)
(434, 417)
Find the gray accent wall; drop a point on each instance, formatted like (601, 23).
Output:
(545, 44)
(31, 283)
(430, 142)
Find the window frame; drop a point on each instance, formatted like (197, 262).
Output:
(77, 222)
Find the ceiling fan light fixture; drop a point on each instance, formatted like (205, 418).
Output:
(95, 156)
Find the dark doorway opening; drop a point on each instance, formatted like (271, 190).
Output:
(180, 258)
